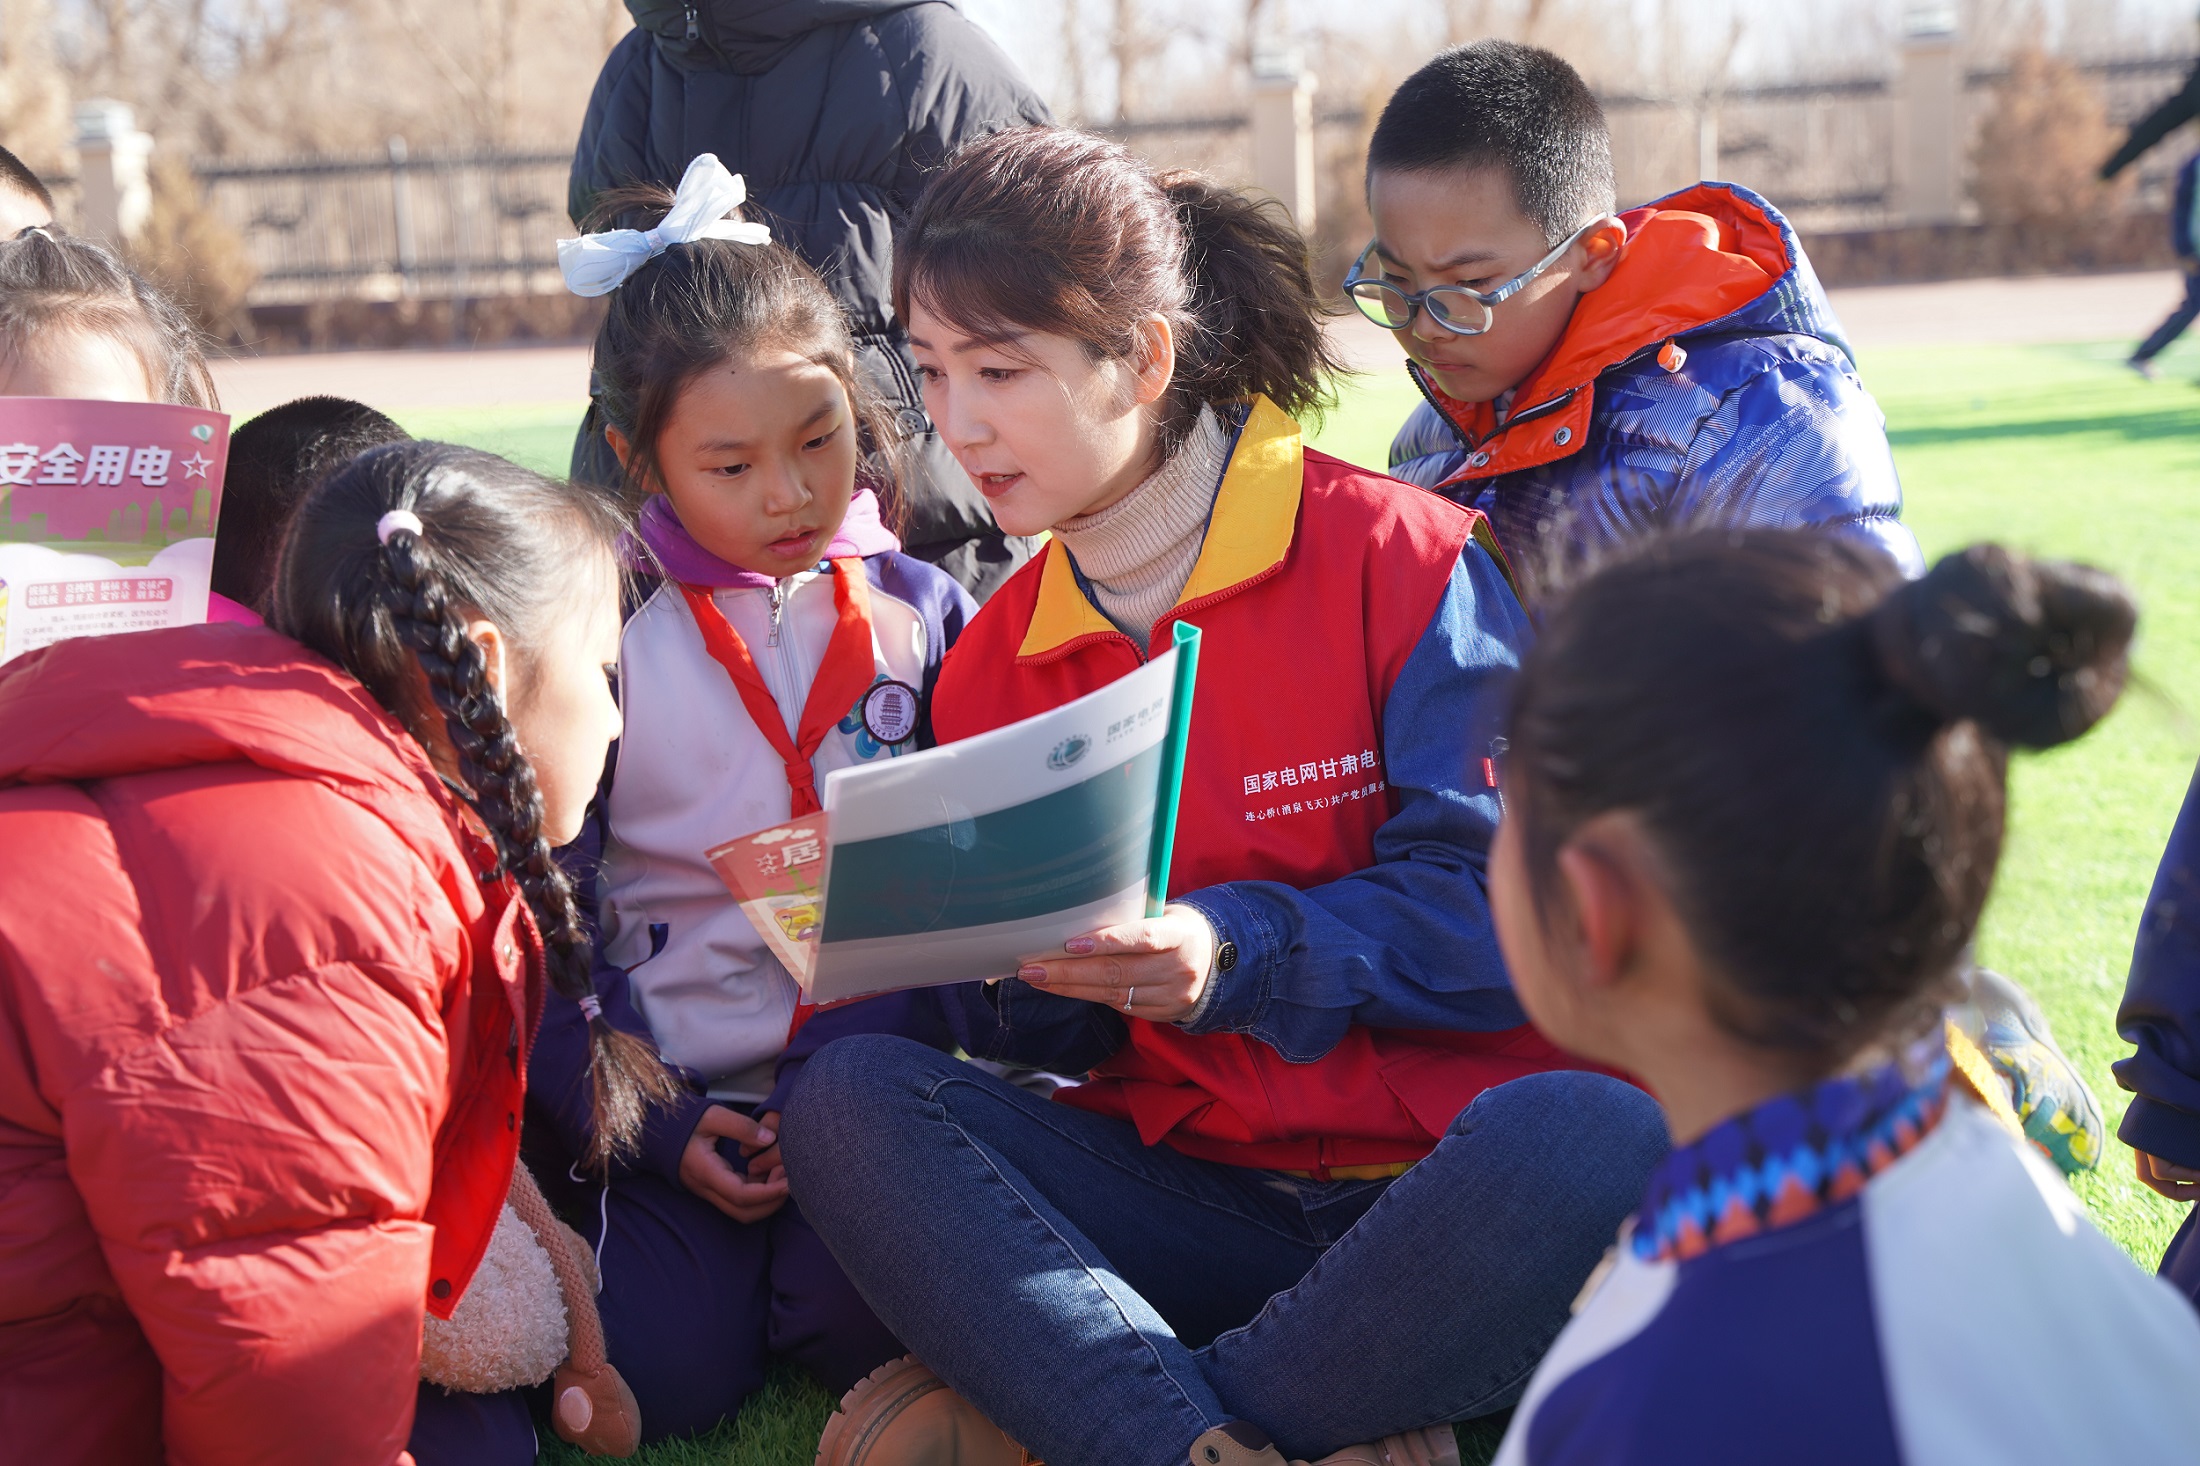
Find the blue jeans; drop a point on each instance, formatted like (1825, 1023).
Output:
(1105, 1301)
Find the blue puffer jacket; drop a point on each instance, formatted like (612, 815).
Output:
(1706, 381)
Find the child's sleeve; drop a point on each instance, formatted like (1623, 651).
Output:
(2160, 1014)
(560, 1095)
(1407, 942)
(916, 1014)
(1797, 443)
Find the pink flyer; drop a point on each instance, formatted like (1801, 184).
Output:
(109, 521)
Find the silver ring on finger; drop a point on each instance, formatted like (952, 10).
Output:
(1130, 996)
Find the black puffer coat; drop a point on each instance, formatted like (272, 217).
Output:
(833, 111)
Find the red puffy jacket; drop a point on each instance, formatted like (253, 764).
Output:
(262, 1033)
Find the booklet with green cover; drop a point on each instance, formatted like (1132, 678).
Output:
(956, 863)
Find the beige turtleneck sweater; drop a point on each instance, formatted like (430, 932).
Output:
(1137, 553)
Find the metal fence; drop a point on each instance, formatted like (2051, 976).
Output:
(393, 226)
(1824, 151)
(396, 225)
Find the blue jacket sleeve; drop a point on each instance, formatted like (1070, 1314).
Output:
(1012, 1022)
(558, 1092)
(2160, 1014)
(1406, 943)
(1799, 442)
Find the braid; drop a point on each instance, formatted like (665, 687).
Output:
(499, 784)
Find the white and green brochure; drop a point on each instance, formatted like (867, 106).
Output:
(955, 863)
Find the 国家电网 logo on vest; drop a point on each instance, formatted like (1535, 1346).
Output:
(1068, 751)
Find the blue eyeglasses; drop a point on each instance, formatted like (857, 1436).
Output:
(1457, 309)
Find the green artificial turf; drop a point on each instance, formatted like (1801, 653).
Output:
(537, 434)
(2058, 450)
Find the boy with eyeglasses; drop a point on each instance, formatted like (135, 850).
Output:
(1591, 375)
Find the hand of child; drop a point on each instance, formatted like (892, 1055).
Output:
(1155, 969)
(2178, 1183)
(706, 1173)
(764, 1154)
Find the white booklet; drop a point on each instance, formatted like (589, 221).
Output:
(957, 862)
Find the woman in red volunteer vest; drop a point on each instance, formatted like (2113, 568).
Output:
(1324, 1189)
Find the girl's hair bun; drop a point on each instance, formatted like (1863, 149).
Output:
(2034, 652)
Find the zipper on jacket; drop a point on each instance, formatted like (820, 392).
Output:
(779, 605)
(694, 26)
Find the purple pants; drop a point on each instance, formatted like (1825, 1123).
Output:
(695, 1306)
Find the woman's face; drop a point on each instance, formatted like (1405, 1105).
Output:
(562, 709)
(1045, 431)
(758, 457)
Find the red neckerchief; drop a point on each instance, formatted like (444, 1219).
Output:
(844, 675)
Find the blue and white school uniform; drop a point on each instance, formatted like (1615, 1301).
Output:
(696, 1305)
(1867, 1272)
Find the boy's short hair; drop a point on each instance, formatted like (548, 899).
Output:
(273, 460)
(16, 176)
(1498, 104)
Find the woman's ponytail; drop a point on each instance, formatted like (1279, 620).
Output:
(496, 541)
(1257, 313)
(2032, 651)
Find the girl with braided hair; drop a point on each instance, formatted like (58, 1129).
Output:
(311, 866)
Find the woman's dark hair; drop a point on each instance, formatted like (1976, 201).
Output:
(506, 544)
(1052, 230)
(53, 281)
(701, 302)
(1816, 749)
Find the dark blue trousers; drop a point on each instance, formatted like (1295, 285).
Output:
(695, 1307)
(2174, 326)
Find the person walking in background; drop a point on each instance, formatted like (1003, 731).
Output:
(833, 111)
(2171, 113)
(2182, 238)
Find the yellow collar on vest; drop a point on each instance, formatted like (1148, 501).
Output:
(1248, 534)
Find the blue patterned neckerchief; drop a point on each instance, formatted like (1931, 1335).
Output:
(1785, 1160)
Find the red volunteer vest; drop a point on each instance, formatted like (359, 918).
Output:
(1314, 585)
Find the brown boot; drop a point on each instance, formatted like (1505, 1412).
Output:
(905, 1415)
(1239, 1443)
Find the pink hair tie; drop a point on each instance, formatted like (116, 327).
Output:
(396, 520)
(592, 1007)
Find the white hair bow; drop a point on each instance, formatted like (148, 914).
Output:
(597, 264)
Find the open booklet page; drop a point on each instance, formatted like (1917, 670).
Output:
(954, 863)
(110, 517)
